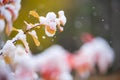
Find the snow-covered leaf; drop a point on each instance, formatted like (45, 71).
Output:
(62, 17)
(25, 44)
(49, 32)
(35, 38)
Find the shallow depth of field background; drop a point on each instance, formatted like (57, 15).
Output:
(99, 17)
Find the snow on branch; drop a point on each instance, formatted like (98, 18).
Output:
(14, 55)
(50, 22)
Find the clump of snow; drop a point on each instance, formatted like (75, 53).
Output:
(53, 61)
(51, 22)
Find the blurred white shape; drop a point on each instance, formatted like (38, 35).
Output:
(9, 11)
(17, 7)
(53, 63)
(2, 25)
(42, 20)
(5, 71)
(23, 65)
(105, 55)
(65, 76)
(21, 56)
(7, 16)
(83, 65)
(97, 51)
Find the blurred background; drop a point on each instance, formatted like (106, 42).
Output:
(99, 17)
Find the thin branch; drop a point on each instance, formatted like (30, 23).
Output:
(31, 26)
